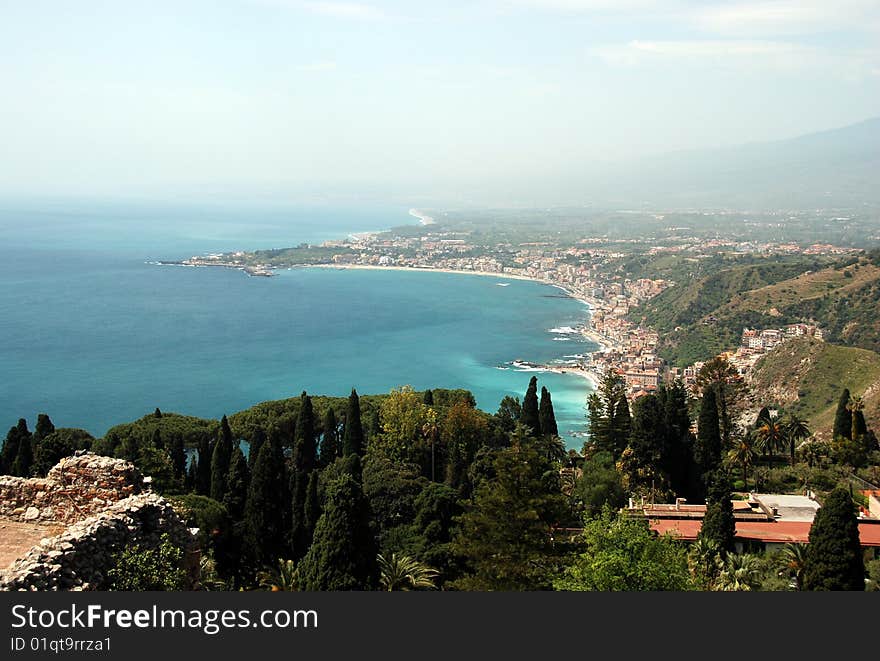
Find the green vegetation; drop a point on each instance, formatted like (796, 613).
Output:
(421, 490)
(806, 377)
(834, 556)
(137, 569)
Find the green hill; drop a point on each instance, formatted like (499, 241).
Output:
(806, 376)
(700, 317)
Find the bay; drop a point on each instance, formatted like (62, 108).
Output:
(94, 335)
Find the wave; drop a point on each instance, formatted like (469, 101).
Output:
(562, 339)
(564, 330)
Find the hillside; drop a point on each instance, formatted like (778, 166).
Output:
(806, 377)
(703, 316)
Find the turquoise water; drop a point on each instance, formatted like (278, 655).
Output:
(95, 336)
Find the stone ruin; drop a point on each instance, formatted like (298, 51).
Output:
(101, 505)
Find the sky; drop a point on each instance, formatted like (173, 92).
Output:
(414, 101)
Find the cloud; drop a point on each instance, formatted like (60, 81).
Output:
(788, 17)
(759, 55)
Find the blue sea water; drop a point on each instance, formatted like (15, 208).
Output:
(94, 335)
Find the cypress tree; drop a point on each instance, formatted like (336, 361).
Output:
(531, 417)
(859, 426)
(236, 485)
(719, 525)
(299, 532)
(24, 460)
(353, 435)
(254, 448)
(546, 415)
(157, 441)
(219, 471)
(313, 505)
(178, 456)
(10, 446)
(192, 477)
(843, 416)
(44, 427)
(157, 413)
(621, 426)
(203, 473)
(330, 439)
(429, 398)
(707, 450)
(343, 553)
(264, 511)
(304, 449)
(834, 556)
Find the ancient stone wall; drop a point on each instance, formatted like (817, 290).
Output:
(74, 489)
(108, 506)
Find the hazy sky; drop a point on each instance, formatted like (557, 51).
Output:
(407, 98)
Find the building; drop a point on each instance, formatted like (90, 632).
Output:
(764, 522)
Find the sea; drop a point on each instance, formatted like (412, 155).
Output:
(94, 333)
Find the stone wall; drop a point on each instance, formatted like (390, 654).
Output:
(74, 489)
(107, 505)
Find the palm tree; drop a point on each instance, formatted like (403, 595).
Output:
(741, 573)
(770, 435)
(743, 454)
(405, 573)
(281, 579)
(704, 561)
(793, 559)
(796, 429)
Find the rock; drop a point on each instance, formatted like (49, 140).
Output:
(31, 514)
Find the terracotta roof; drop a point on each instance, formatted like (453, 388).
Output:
(769, 531)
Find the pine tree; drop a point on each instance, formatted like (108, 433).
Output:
(264, 513)
(353, 435)
(707, 449)
(178, 456)
(546, 415)
(343, 553)
(843, 416)
(531, 416)
(304, 448)
(429, 398)
(504, 536)
(236, 485)
(330, 439)
(719, 525)
(157, 413)
(834, 555)
(44, 427)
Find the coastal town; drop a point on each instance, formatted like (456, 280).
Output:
(585, 271)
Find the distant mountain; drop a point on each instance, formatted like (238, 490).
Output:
(835, 168)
